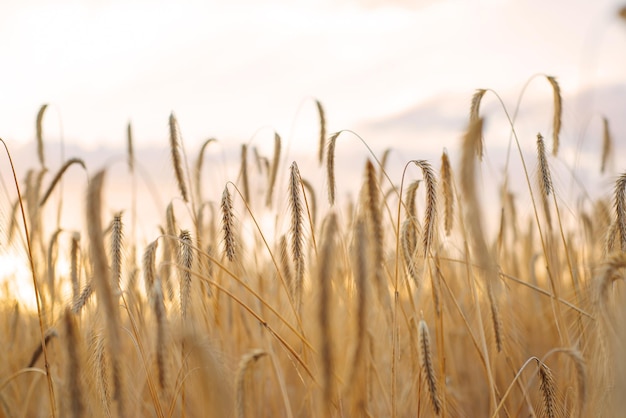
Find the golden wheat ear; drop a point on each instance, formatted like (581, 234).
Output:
(176, 160)
(558, 112)
(428, 367)
(39, 127)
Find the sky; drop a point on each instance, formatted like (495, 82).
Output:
(231, 69)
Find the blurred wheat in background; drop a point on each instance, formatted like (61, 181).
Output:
(416, 297)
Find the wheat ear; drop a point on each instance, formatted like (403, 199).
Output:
(244, 172)
(547, 386)
(607, 144)
(273, 169)
(545, 181)
(40, 151)
(558, 111)
(330, 167)
(375, 223)
(446, 191)
(322, 138)
(475, 116)
(176, 160)
(428, 367)
(186, 264)
(244, 369)
(228, 225)
(296, 231)
(75, 248)
(149, 267)
(430, 214)
(620, 209)
(117, 235)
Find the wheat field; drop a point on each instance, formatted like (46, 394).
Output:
(401, 302)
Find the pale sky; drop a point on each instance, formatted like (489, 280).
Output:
(229, 68)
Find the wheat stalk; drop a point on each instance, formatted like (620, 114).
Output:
(77, 408)
(198, 167)
(58, 176)
(325, 304)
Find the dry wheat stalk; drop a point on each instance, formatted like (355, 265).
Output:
(228, 225)
(357, 383)
(428, 368)
(326, 262)
(243, 371)
(40, 151)
(77, 408)
(58, 176)
(100, 365)
(474, 221)
(558, 111)
(296, 231)
(198, 167)
(284, 261)
(176, 161)
(375, 224)
(102, 283)
(49, 335)
(161, 323)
